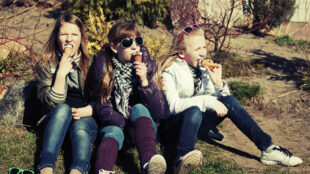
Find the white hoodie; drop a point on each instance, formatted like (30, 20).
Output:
(178, 89)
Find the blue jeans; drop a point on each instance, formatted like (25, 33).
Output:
(116, 132)
(239, 116)
(182, 130)
(82, 132)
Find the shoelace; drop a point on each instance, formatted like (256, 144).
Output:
(283, 150)
(101, 171)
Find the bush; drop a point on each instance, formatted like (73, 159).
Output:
(243, 91)
(156, 46)
(233, 66)
(146, 12)
(275, 11)
(290, 42)
(16, 65)
(97, 30)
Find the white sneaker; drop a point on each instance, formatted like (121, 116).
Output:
(278, 155)
(101, 171)
(156, 165)
(188, 162)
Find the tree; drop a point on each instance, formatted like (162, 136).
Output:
(275, 11)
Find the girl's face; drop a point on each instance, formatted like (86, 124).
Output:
(195, 49)
(125, 53)
(69, 34)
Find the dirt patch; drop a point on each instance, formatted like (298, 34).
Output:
(283, 112)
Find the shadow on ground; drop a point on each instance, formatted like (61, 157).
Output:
(291, 70)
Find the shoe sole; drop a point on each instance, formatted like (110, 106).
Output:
(189, 163)
(157, 165)
(267, 162)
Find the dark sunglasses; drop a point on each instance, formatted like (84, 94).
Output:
(127, 42)
(14, 170)
(187, 30)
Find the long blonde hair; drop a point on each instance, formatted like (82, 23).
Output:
(119, 31)
(166, 61)
(51, 49)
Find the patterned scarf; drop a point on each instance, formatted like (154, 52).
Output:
(197, 79)
(124, 81)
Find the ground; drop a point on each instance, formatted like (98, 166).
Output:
(283, 112)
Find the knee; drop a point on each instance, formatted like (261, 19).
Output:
(231, 103)
(139, 110)
(62, 112)
(113, 132)
(193, 116)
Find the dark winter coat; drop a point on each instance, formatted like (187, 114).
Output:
(149, 96)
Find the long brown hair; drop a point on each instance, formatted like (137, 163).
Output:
(166, 61)
(51, 49)
(119, 31)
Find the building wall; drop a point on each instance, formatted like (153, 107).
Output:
(302, 11)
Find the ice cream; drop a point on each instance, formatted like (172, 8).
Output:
(67, 49)
(208, 63)
(138, 57)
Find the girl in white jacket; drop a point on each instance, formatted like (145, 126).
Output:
(198, 99)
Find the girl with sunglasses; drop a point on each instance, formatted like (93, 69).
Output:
(60, 87)
(198, 100)
(129, 103)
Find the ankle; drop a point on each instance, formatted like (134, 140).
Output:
(269, 148)
(46, 170)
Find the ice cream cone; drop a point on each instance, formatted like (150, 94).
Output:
(67, 49)
(207, 63)
(138, 57)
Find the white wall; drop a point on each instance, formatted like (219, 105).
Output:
(302, 11)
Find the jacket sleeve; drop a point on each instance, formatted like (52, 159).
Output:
(176, 104)
(223, 91)
(46, 95)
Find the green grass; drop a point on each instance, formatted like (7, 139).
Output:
(18, 148)
(290, 42)
(243, 91)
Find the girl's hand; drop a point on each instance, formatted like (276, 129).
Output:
(141, 71)
(65, 65)
(216, 76)
(86, 111)
(220, 109)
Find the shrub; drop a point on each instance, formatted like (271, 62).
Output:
(275, 11)
(243, 91)
(156, 46)
(16, 65)
(233, 66)
(290, 42)
(146, 12)
(97, 30)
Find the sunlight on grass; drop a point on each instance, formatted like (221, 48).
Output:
(18, 149)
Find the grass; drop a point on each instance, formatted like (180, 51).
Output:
(243, 91)
(290, 42)
(19, 146)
